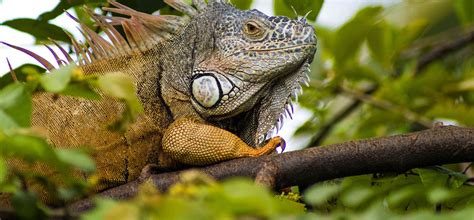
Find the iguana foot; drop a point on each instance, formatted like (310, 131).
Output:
(195, 143)
(268, 148)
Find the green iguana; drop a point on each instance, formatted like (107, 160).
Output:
(214, 85)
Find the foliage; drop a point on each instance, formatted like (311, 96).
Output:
(40, 30)
(421, 194)
(20, 142)
(373, 59)
(199, 197)
(374, 51)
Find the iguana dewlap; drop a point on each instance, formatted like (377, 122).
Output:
(214, 85)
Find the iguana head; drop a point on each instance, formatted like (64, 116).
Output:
(257, 60)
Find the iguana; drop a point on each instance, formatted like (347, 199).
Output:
(214, 85)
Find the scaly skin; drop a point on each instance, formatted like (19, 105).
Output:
(214, 86)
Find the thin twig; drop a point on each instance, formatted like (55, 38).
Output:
(386, 105)
(467, 168)
(444, 50)
(326, 129)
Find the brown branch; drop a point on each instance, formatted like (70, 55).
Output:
(327, 127)
(388, 106)
(445, 49)
(435, 146)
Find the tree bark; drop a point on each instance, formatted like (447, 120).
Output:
(435, 146)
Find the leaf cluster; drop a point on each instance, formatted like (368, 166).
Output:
(368, 80)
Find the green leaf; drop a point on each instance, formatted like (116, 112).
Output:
(438, 195)
(65, 5)
(58, 79)
(465, 11)
(3, 169)
(455, 179)
(351, 35)
(15, 106)
(280, 8)
(242, 4)
(380, 42)
(356, 72)
(247, 198)
(26, 205)
(431, 177)
(102, 208)
(80, 89)
(77, 158)
(321, 193)
(409, 33)
(401, 196)
(356, 196)
(303, 7)
(431, 11)
(40, 30)
(21, 73)
(146, 6)
(119, 85)
(30, 148)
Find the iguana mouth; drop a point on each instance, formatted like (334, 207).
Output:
(283, 48)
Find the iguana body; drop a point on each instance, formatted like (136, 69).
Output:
(213, 86)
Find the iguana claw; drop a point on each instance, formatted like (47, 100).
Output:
(282, 145)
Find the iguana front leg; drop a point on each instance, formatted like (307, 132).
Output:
(195, 143)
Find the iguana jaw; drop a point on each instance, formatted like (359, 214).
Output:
(275, 107)
(284, 49)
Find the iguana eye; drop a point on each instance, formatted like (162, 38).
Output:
(253, 30)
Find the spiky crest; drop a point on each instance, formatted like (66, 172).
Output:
(12, 72)
(143, 32)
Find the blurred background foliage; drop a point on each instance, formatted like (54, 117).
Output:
(388, 70)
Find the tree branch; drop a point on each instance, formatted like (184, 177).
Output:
(326, 129)
(435, 146)
(445, 49)
(388, 106)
